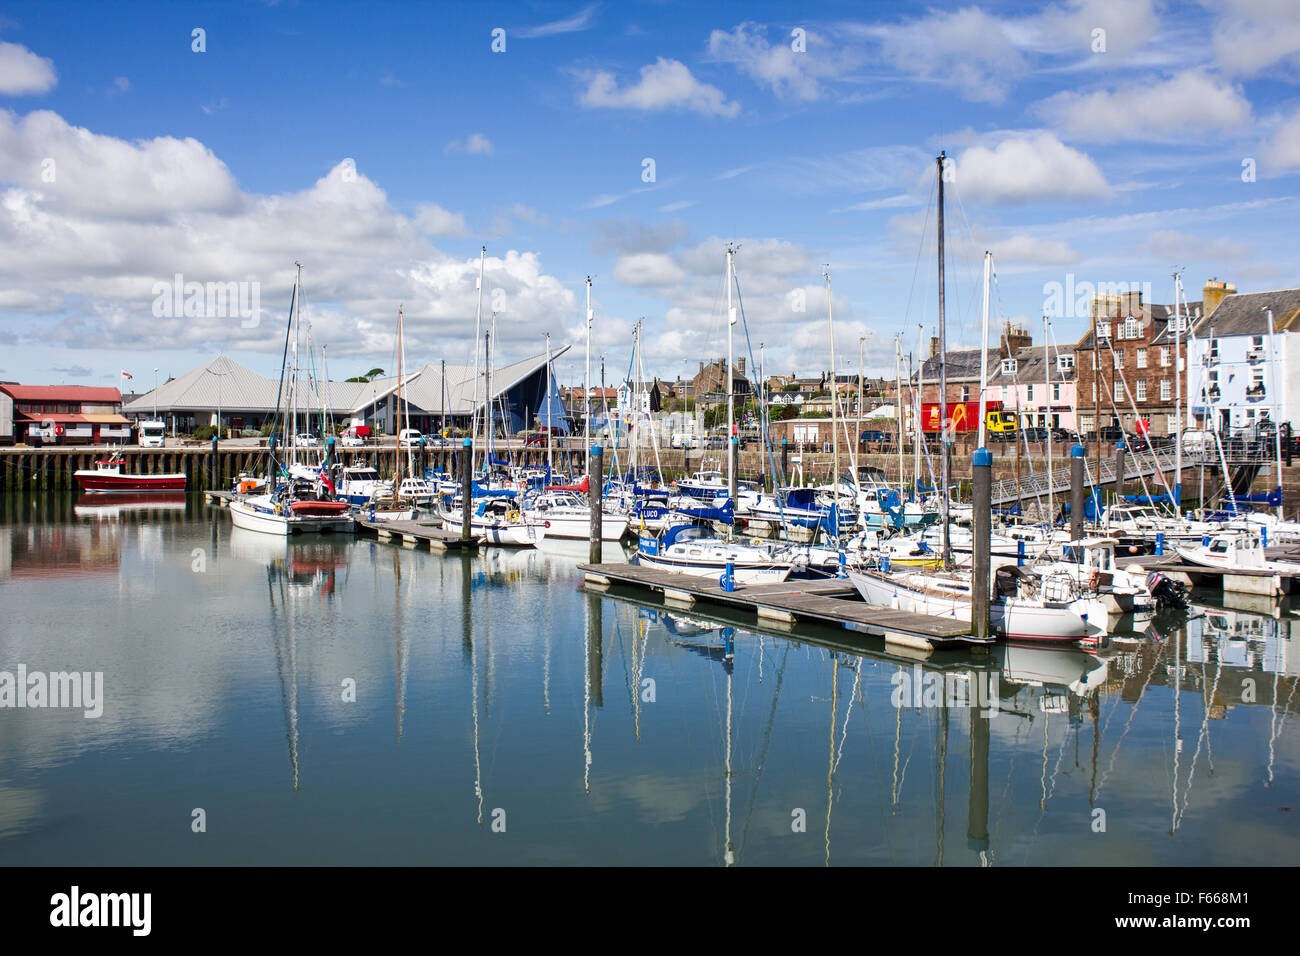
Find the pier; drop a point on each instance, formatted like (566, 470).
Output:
(827, 600)
(415, 533)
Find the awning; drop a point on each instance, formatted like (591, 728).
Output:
(107, 419)
(61, 419)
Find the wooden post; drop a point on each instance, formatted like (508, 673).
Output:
(466, 486)
(1120, 448)
(982, 462)
(785, 462)
(1077, 491)
(596, 482)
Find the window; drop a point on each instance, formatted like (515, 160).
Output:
(1257, 341)
(1103, 330)
(1165, 390)
(1009, 366)
(1164, 357)
(1119, 392)
(1029, 393)
(1142, 390)
(965, 393)
(1214, 350)
(1131, 328)
(1094, 390)
(1064, 362)
(1171, 424)
(1117, 359)
(1056, 392)
(1141, 358)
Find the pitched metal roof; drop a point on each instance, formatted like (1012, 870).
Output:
(94, 394)
(225, 382)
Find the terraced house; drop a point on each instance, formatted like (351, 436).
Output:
(1126, 373)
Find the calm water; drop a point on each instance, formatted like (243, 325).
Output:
(592, 729)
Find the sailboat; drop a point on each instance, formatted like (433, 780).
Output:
(395, 506)
(301, 498)
(685, 548)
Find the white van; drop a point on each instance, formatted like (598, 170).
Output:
(682, 440)
(152, 434)
(409, 437)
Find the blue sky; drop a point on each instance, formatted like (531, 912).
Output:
(383, 144)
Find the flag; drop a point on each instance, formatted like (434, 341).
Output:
(126, 374)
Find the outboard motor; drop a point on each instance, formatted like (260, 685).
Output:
(1169, 594)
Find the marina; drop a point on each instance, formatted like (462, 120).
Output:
(459, 709)
(569, 435)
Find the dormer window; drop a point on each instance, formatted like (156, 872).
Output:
(1008, 366)
(1064, 362)
(1131, 328)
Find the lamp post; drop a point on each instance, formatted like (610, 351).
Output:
(155, 394)
(220, 376)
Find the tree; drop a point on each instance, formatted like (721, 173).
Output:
(370, 376)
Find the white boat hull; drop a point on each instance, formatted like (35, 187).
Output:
(251, 517)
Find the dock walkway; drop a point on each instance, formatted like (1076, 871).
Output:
(828, 600)
(414, 533)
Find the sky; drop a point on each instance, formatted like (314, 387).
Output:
(145, 147)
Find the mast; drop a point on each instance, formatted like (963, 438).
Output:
(731, 324)
(443, 382)
(401, 372)
(549, 453)
(835, 399)
(898, 386)
(1178, 402)
(586, 379)
(984, 348)
(762, 417)
(1047, 384)
(919, 434)
(478, 321)
(1277, 424)
(943, 383)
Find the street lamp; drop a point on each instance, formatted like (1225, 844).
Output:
(155, 394)
(220, 376)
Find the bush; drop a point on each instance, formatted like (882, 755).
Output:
(204, 432)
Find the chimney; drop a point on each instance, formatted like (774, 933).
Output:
(934, 346)
(1214, 293)
(740, 367)
(701, 367)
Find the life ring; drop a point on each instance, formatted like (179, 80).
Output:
(508, 484)
(513, 517)
(58, 429)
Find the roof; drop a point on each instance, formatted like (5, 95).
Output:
(1245, 313)
(234, 387)
(94, 394)
(1029, 367)
(961, 364)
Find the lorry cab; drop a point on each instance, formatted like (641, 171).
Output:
(1000, 422)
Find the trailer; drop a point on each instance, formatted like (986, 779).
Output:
(965, 417)
(6, 419)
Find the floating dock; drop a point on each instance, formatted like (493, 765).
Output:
(1260, 582)
(415, 533)
(825, 600)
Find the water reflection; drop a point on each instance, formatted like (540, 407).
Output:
(486, 687)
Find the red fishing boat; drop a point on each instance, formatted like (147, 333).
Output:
(107, 475)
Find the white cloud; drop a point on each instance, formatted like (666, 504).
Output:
(664, 84)
(1173, 246)
(1145, 111)
(647, 269)
(1022, 169)
(22, 72)
(432, 220)
(1032, 250)
(474, 143)
(71, 168)
(777, 66)
(81, 254)
(1283, 150)
(574, 24)
(1254, 36)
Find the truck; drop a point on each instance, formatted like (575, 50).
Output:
(965, 418)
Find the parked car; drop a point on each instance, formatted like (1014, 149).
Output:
(409, 438)
(1196, 441)
(1038, 433)
(1065, 435)
(715, 441)
(873, 435)
(309, 440)
(351, 440)
(1108, 433)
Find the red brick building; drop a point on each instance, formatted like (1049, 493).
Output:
(67, 414)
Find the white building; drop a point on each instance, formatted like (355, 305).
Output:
(1234, 378)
